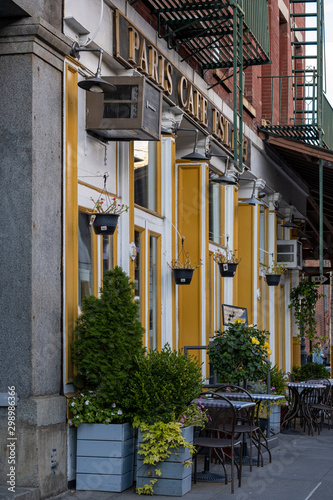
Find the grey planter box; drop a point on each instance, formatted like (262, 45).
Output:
(104, 457)
(176, 477)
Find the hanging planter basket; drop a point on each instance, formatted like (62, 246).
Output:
(105, 223)
(273, 279)
(227, 269)
(182, 276)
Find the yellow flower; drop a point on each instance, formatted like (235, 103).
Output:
(251, 326)
(239, 320)
(269, 352)
(255, 341)
(266, 345)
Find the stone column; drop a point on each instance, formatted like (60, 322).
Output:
(31, 115)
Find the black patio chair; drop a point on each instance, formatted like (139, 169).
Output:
(248, 422)
(218, 436)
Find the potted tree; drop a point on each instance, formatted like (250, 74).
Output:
(160, 395)
(273, 272)
(107, 344)
(227, 262)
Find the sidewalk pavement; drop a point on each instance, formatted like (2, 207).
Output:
(301, 469)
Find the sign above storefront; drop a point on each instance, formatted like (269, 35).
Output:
(134, 50)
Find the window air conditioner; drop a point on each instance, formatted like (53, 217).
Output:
(290, 252)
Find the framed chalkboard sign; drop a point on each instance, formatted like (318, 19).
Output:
(231, 313)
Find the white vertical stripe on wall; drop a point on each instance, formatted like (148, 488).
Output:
(123, 224)
(228, 231)
(271, 289)
(166, 169)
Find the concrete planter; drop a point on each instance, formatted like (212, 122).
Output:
(105, 456)
(274, 421)
(176, 477)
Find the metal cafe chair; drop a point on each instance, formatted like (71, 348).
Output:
(320, 405)
(219, 440)
(248, 422)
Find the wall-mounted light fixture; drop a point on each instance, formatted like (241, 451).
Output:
(224, 179)
(253, 200)
(96, 83)
(195, 155)
(290, 224)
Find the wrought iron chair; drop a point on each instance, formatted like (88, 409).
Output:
(219, 435)
(248, 422)
(320, 404)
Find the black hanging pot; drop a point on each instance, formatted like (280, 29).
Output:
(105, 223)
(182, 276)
(273, 279)
(227, 269)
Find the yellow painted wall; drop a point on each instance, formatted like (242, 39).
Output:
(189, 225)
(246, 239)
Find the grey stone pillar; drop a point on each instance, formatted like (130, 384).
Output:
(31, 165)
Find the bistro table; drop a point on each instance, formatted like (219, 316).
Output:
(206, 475)
(300, 394)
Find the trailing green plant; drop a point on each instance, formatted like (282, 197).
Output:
(240, 353)
(159, 439)
(309, 370)
(107, 343)
(163, 385)
(304, 298)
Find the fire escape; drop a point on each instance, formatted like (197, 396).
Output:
(305, 115)
(221, 35)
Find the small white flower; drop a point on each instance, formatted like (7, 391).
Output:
(73, 404)
(107, 420)
(86, 402)
(120, 412)
(114, 405)
(82, 394)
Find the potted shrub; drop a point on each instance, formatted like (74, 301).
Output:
(273, 272)
(182, 268)
(239, 353)
(227, 262)
(107, 343)
(160, 395)
(106, 212)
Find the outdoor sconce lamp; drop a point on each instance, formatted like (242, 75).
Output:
(195, 155)
(253, 200)
(291, 224)
(96, 83)
(224, 179)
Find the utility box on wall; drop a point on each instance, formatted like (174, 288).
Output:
(132, 112)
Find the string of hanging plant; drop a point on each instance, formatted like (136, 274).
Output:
(304, 298)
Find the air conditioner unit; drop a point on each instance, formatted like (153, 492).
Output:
(289, 252)
(132, 112)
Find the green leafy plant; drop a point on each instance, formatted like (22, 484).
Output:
(304, 298)
(184, 262)
(240, 353)
(87, 407)
(107, 343)
(309, 370)
(276, 268)
(226, 256)
(160, 395)
(163, 385)
(109, 205)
